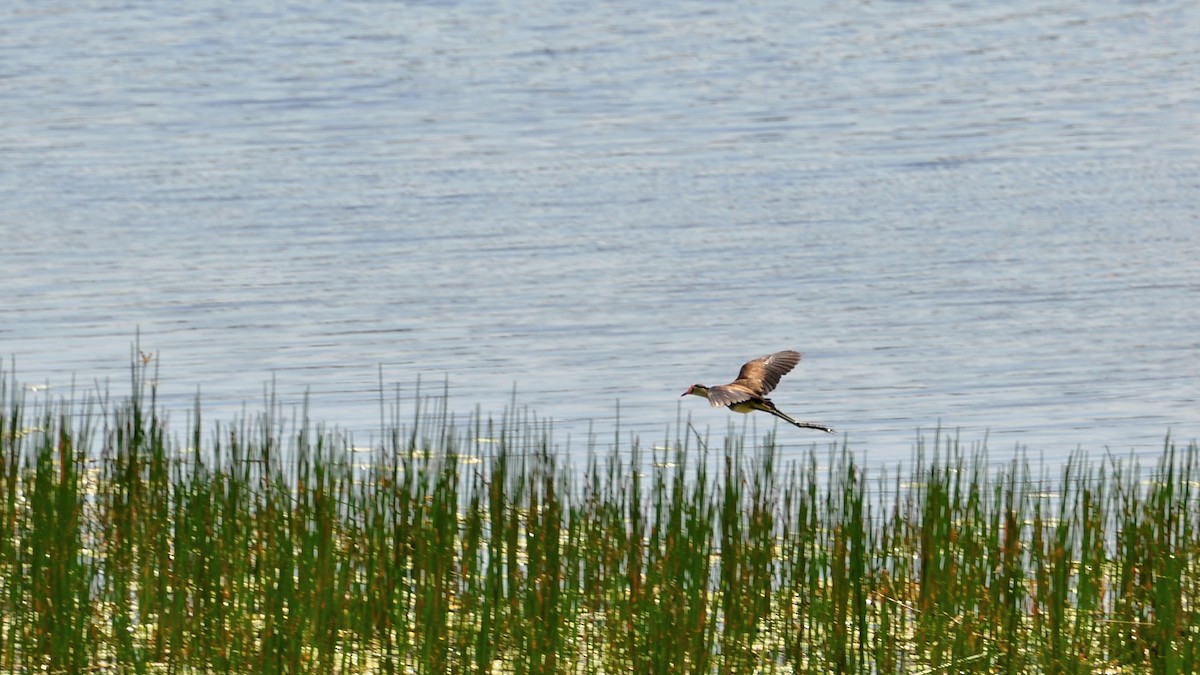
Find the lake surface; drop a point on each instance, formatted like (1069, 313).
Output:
(983, 215)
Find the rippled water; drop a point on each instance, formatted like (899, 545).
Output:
(983, 215)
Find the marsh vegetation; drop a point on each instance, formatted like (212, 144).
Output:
(471, 544)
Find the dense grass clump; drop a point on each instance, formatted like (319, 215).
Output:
(265, 546)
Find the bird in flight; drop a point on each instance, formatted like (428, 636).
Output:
(755, 380)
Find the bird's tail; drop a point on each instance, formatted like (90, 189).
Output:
(770, 407)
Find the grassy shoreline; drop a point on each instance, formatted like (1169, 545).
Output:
(267, 546)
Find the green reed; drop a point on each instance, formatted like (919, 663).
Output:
(269, 544)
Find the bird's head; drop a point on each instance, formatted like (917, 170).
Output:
(696, 390)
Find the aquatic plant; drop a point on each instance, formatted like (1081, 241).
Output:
(272, 544)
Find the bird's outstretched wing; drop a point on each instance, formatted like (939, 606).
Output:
(756, 379)
(728, 394)
(762, 375)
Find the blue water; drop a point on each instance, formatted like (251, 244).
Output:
(984, 216)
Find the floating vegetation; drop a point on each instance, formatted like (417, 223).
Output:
(259, 546)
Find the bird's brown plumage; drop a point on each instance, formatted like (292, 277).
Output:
(756, 379)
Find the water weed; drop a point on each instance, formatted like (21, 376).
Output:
(272, 545)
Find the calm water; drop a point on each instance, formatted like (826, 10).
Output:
(983, 214)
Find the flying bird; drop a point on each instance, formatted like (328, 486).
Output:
(755, 380)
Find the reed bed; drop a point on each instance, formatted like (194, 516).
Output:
(272, 545)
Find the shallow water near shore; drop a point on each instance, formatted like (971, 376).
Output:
(983, 217)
